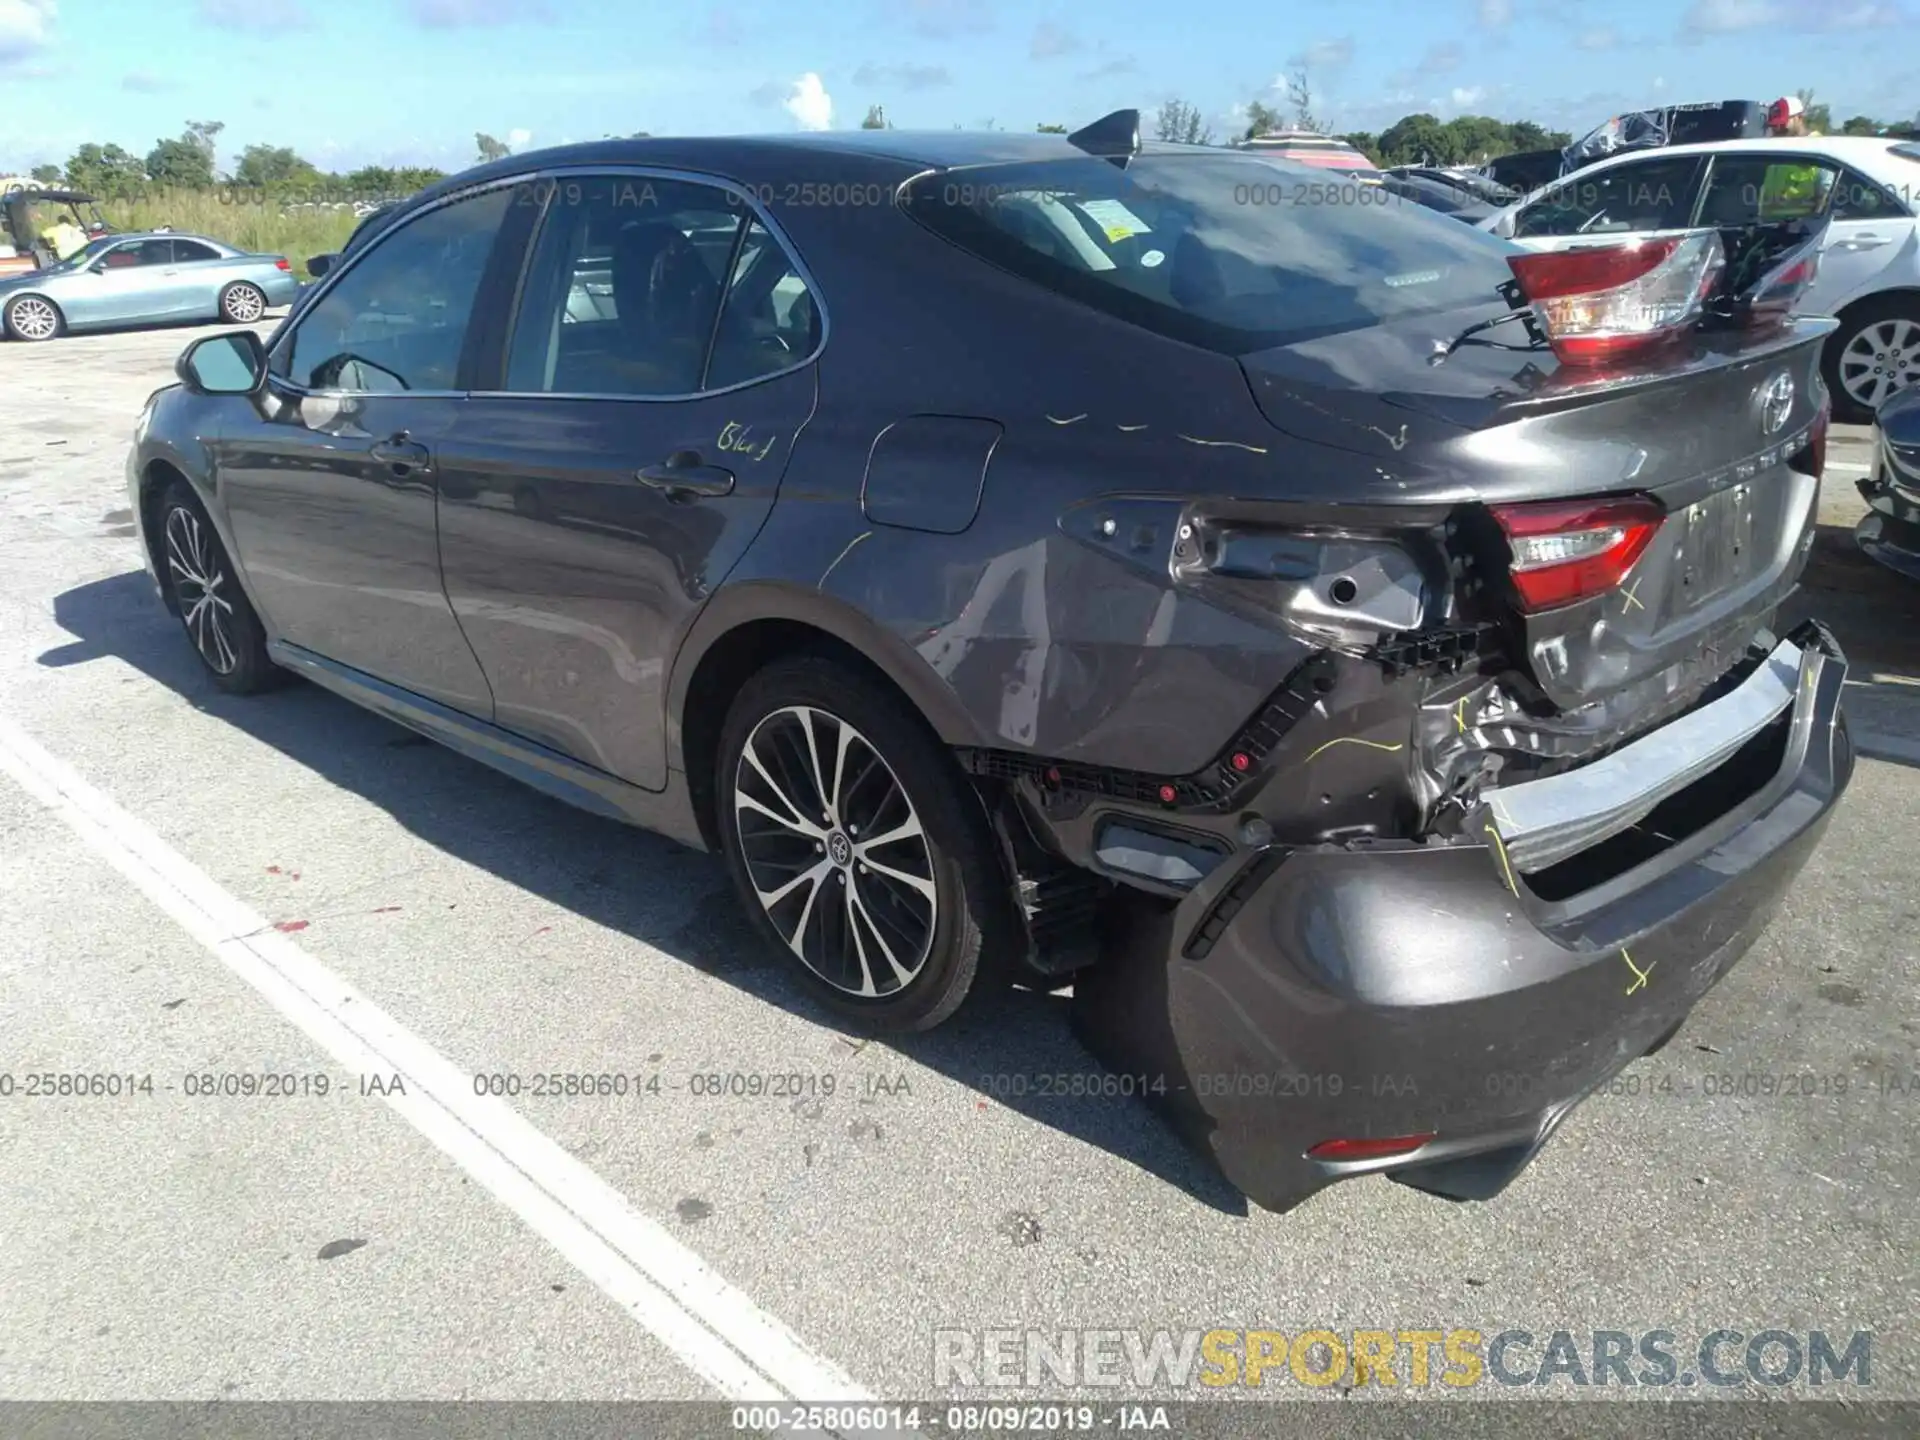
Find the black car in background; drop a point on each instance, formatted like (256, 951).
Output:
(1335, 641)
(1890, 530)
(1445, 191)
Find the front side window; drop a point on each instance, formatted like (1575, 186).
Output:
(1633, 198)
(397, 320)
(624, 287)
(1228, 252)
(140, 253)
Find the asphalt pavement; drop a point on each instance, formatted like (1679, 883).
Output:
(309, 932)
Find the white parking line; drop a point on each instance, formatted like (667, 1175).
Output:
(716, 1330)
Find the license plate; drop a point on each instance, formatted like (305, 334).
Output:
(1716, 549)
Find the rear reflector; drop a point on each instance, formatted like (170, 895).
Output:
(1601, 303)
(1570, 550)
(1381, 1149)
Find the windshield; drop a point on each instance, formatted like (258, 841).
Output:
(82, 257)
(1226, 252)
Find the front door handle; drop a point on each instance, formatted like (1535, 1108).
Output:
(400, 454)
(684, 475)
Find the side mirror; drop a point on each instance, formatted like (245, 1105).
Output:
(319, 265)
(232, 364)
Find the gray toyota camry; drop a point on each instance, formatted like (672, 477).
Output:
(1335, 642)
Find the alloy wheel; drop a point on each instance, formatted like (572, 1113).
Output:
(198, 584)
(835, 851)
(33, 318)
(245, 304)
(1883, 358)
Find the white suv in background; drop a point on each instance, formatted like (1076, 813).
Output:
(1869, 273)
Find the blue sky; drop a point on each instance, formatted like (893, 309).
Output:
(351, 82)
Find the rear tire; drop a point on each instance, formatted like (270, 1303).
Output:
(242, 303)
(33, 318)
(220, 621)
(1873, 356)
(859, 848)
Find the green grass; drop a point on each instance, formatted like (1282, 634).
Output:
(239, 219)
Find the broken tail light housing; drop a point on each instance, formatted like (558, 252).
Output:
(1603, 303)
(1565, 551)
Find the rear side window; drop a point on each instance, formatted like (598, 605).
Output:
(187, 251)
(1226, 252)
(1859, 198)
(1633, 198)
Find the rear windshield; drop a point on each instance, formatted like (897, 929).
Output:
(1222, 251)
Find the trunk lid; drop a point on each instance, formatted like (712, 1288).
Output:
(1717, 431)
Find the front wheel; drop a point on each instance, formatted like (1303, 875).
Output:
(1873, 356)
(242, 304)
(859, 846)
(33, 317)
(219, 619)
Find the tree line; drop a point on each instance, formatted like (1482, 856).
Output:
(187, 161)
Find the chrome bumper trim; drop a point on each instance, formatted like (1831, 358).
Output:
(1541, 822)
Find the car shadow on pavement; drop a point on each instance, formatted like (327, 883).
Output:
(1005, 1050)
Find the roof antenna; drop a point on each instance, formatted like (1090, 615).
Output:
(1114, 137)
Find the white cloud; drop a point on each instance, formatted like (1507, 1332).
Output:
(1601, 38)
(1496, 14)
(1465, 95)
(1721, 17)
(809, 104)
(26, 28)
(518, 138)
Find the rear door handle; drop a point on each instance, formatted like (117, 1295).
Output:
(1860, 242)
(683, 475)
(401, 454)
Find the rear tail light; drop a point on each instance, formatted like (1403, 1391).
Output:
(1602, 303)
(280, 263)
(1567, 551)
(1776, 293)
(1376, 1149)
(1813, 460)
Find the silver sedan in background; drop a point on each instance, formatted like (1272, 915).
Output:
(144, 279)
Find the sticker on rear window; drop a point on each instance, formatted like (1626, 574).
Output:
(1115, 219)
(1153, 258)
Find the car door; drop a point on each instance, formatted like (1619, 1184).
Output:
(1872, 242)
(1641, 196)
(125, 284)
(199, 272)
(328, 479)
(645, 401)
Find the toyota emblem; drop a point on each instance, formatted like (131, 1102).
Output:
(1776, 403)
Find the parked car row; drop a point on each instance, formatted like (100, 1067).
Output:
(1156, 591)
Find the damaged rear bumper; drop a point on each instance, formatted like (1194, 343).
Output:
(1399, 989)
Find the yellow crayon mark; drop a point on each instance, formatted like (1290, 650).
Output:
(1458, 720)
(1354, 740)
(1501, 850)
(1640, 976)
(1229, 444)
(1129, 428)
(1633, 600)
(1070, 420)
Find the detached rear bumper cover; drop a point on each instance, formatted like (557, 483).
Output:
(1404, 989)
